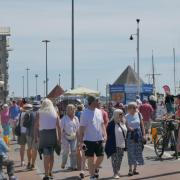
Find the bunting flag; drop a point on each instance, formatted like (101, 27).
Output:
(166, 88)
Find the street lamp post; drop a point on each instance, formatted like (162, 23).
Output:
(46, 42)
(44, 82)
(27, 69)
(59, 79)
(131, 38)
(36, 76)
(72, 73)
(23, 85)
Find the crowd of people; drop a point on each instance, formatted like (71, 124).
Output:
(84, 134)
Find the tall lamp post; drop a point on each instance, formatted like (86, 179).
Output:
(36, 76)
(72, 73)
(44, 82)
(27, 69)
(46, 42)
(23, 85)
(59, 79)
(131, 38)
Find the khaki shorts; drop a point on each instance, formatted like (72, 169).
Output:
(22, 140)
(147, 125)
(31, 143)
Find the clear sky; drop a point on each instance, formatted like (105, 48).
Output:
(102, 45)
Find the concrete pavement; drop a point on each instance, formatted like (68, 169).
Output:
(154, 169)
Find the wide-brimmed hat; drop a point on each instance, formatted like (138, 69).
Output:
(27, 106)
(5, 106)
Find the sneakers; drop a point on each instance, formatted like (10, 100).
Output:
(32, 167)
(116, 176)
(96, 173)
(82, 176)
(51, 175)
(45, 178)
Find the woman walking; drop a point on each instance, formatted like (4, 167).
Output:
(47, 123)
(135, 138)
(69, 130)
(116, 137)
(5, 123)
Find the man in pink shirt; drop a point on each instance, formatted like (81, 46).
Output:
(146, 110)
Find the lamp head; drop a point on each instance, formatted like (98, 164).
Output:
(131, 37)
(138, 20)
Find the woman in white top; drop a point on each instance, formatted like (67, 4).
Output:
(69, 129)
(115, 145)
(47, 124)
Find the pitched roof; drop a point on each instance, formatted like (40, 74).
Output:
(128, 76)
(56, 92)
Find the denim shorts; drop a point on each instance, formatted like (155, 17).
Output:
(48, 151)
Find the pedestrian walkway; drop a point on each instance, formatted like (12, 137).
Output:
(21, 172)
(164, 170)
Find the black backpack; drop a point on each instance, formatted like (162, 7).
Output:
(27, 120)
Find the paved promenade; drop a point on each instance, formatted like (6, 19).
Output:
(154, 169)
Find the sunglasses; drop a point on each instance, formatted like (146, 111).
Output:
(121, 114)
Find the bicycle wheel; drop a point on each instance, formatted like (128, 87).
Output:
(159, 146)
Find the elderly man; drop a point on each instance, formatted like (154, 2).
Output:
(92, 135)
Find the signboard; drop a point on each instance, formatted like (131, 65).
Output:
(118, 97)
(132, 88)
(147, 88)
(116, 88)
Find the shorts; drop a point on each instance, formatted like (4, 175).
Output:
(94, 148)
(48, 151)
(31, 143)
(147, 125)
(22, 140)
(13, 123)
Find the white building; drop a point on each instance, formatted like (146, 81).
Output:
(4, 76)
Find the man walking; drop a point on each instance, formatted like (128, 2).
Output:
(92, 136)
(147, 111)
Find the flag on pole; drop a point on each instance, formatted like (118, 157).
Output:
(166, 89)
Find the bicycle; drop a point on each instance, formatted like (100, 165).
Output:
(167, 135)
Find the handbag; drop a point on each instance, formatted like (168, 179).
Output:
(143, 140)
(57, 149)
(125, 140)
(17, 130)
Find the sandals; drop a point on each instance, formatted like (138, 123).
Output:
(135, 172)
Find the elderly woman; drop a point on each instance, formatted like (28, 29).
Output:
(69, 130)
(116, 137)
(5, 122)
(135, 138)
(47, 123)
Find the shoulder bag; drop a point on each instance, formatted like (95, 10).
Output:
(125, 140)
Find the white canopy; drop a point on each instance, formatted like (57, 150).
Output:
(82, 91)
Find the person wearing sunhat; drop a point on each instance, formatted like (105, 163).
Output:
(32, 145)
(22, 139)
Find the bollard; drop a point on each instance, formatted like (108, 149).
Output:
(154, 134)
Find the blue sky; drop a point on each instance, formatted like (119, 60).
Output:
(102, 45)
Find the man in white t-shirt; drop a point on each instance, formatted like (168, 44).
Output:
(92, 136)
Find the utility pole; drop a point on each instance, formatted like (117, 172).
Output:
(46, 42)
(72, 73)
(44, 82)
(97, 85)
(23, 85)
(174, 71)
(27, 69)
(59, 79)
(36, 76)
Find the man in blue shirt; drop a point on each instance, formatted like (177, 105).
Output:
(14, 111)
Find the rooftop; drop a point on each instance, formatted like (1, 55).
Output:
(5, 31)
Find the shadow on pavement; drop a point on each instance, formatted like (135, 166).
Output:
(71, 178)
(159, 175)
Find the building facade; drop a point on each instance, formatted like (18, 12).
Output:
(4, 75)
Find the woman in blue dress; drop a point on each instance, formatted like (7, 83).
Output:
(135, 137)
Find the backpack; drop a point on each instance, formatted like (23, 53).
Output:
(27, 120)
